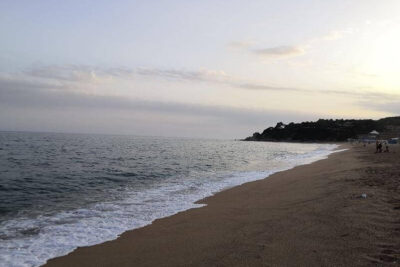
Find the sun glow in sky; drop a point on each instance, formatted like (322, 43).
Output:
(382, 58)
(195, 68)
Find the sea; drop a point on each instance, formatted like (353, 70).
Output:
(62, 191)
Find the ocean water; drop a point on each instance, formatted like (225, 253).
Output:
(61, 191)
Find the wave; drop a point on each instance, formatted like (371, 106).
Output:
(32, 241)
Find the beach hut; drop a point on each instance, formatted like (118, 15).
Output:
(373, 135)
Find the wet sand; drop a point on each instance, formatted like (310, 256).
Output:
(312, 215)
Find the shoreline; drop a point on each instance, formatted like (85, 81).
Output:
(259, 222)
(106, 221)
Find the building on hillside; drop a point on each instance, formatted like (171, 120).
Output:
(374, 134)
(370, 137)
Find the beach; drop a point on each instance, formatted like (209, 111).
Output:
(341, 211)
(199, 133)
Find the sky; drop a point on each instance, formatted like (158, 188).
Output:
(208, 69)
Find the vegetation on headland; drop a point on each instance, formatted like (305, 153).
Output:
(325, 130)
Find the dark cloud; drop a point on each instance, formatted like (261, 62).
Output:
(54, 99)
(45, 109)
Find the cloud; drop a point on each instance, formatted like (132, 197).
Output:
(50, 99)
(75, 73)
(357, 94)
(202, 75)
(69, 76)
(391, 106)
(57, 99)
(334, 35)
(91, 74)
(44, 109)
(21, 81)
(81, 78)
(64, 73)
(280, 51)
(261, 87)
(289, 50)
(273, 52)
(337, 34)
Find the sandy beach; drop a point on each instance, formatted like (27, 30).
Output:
(312, 215)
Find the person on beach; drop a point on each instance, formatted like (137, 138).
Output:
(386, 147)
(378, 147)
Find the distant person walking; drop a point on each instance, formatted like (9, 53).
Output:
(378, 147)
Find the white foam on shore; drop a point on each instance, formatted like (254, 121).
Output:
(59, 234)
